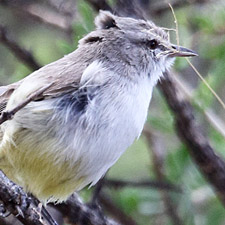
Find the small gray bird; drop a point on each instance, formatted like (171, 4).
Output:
(97, 106)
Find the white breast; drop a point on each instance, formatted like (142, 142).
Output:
(113, 120)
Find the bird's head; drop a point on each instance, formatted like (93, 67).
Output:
(134, 43)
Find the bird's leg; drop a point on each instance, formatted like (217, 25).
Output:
(94, 204)
(44, 214)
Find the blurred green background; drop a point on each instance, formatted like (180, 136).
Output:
(202, 28)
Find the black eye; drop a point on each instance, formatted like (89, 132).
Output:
(152, 44)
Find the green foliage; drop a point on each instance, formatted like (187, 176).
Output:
(86, 22)
(203, 22)
(160, 116)
(177, 163)
(127, 199)
(203, 94)
(215, 212)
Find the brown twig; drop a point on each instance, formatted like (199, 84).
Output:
(211, 165)
(25, 56)
(159, 9)
(16, 200)
(215, 121)
(116, 212)
(7, 115)
(40, 13)
(99, 4)
(130, 8)
(162, 185)
(51, 18)
(75, 212)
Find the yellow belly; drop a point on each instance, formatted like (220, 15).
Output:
(36, 168)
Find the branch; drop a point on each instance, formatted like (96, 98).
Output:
(149, 184)
(25, 56)
(115, 211)
(8, 115)
(216, 122)
(99, 4)
(29, 212)
(130, 8)
(211, 165)
(161, 8)
(20, 205)
(157, 160)
(75, 212)
(40, 13)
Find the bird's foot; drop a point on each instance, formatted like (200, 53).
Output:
(3, 211)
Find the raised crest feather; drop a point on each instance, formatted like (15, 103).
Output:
(105, 20)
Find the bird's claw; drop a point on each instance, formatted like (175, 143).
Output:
(3, 211)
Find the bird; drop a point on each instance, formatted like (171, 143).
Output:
(94, 109)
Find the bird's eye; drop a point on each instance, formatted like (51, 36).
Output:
(152, 44)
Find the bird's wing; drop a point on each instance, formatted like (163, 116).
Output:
(64, 75)
(5, 93)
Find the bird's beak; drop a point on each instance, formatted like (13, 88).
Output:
(179, 51)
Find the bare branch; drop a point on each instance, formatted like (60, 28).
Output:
(25, 56)
(162, 185)
(130, 8)
(217, 123)
(40, 13)
(75, 212)
(211, 165)
(115, 211)
(7, 115)
(20, 205)
(99, 4)
(44, 15)
(159, 9)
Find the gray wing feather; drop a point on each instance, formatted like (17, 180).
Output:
(5, 93)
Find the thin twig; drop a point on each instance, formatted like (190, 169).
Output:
(216, 122)
(51, 18)
(25, 56)
(211, 165)
(39, 13)
(75, 212)
(130, 8)
(159, 9)
(162, 185)
(100, 4)
(207, 84)
(115, 211)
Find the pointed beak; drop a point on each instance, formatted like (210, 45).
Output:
(179, 51)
